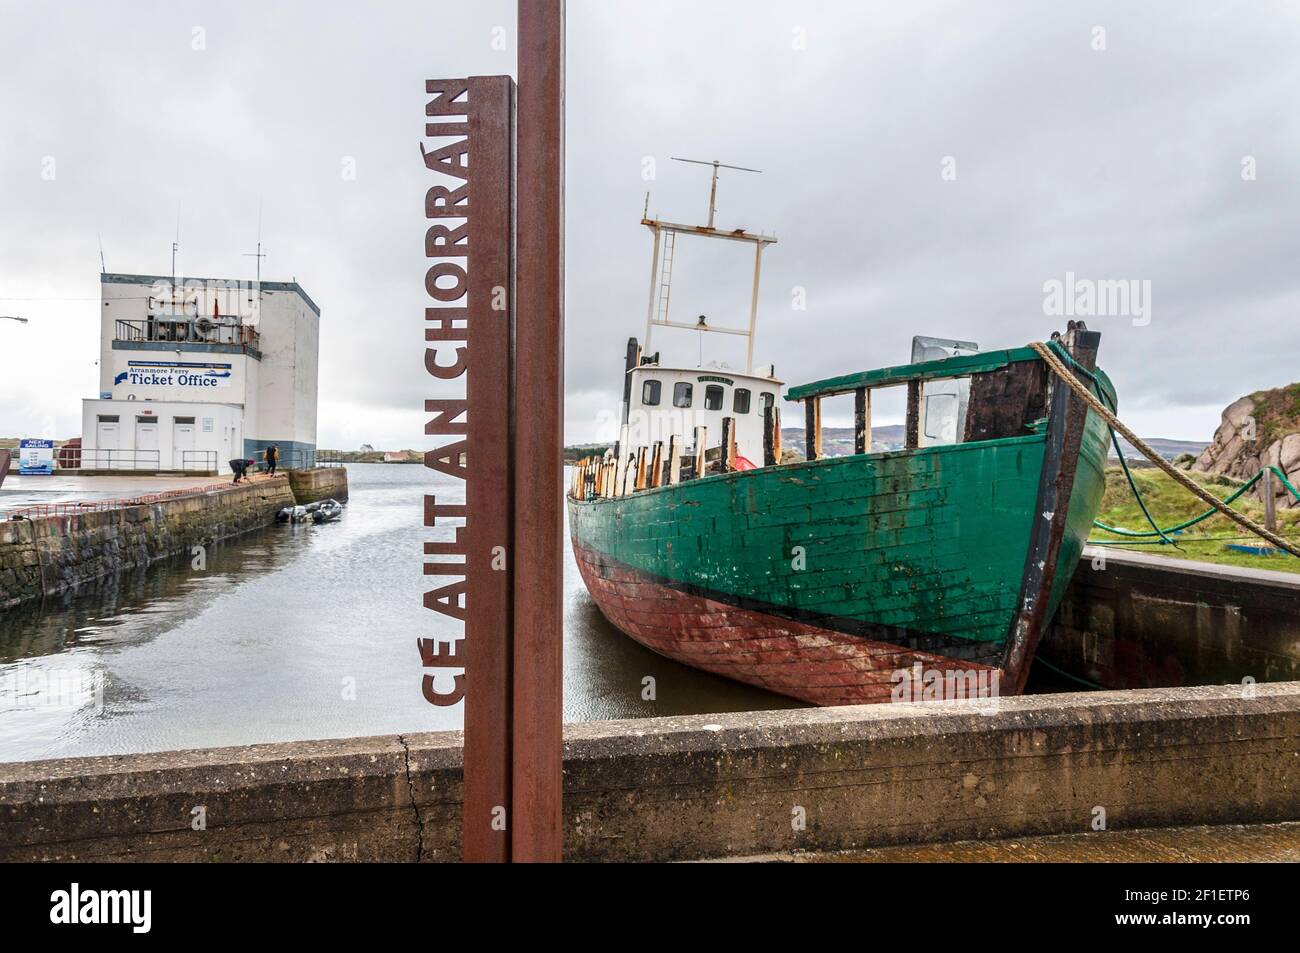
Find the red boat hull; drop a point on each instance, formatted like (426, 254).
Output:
(782, 655)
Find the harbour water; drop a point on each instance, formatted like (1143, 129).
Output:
(289, 633)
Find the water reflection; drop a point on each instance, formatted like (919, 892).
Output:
(290, 633)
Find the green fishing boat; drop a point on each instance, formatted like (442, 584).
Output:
(920, 573)
(923, 573)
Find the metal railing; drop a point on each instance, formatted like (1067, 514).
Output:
(221, 329)
(77, 507)
(106, 459)
(199, 460)
(192, 461)
(301, 459)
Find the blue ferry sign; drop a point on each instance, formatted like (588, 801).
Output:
(35, 457)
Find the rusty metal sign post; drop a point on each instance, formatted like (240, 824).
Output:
(495, 321)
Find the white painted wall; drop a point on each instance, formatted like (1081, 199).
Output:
(217, 428)
(650, 423)
(277, 393)
(288, 388)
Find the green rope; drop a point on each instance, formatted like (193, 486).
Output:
(1285, 482)
(1038, 659)
(1164, 540)
(1061, 352)
(1118, 531)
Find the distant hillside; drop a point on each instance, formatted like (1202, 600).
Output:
(370, 456)
(1169, 449)
(838, 442)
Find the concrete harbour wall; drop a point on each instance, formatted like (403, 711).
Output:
(56, 553)
(699, 786)
(320, 483)
(1145, 621)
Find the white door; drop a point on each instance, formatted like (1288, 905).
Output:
(146, 444)
(183, 438)
(107, 443)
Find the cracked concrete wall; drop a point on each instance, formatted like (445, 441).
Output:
(697, 786)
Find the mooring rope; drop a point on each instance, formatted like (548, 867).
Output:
(1058, 367)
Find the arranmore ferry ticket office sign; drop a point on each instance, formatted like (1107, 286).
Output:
(493, 338)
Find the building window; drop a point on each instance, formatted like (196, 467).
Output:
(713, 397)
(183, 420)
(142, 419)
(682, 394)
(650, 393)
(766, 400)
(108, 418)
(740, 402)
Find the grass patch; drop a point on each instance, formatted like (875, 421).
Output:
(1171, 504)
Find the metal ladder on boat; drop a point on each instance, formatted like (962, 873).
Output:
(666, 274)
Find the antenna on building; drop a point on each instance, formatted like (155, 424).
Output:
(258, 254)
(175, 246)
(103, 268)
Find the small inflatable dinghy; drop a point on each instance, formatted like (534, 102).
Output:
(327, 511)
(295, 514)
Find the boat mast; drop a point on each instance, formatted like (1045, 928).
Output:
(661, 265)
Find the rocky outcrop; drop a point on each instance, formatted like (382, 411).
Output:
(1257, 432)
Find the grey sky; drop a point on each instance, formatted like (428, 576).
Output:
(1122, 163)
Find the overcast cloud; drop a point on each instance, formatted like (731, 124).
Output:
(1117, 163)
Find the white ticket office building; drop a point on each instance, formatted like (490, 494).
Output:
(193, 376)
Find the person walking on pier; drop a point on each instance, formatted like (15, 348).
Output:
(272, 458)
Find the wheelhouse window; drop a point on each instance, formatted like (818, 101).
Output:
(682, 394)
(740, 401)
(713, 397)
(650, 393)
(766, 400)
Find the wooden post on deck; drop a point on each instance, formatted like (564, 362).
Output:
(913, 426)
(674, 460)
(701, 441)
(812, 409)
(657, 465)
(620, 467)
(640, 469)
(771, 435)
(728, 444)
(862, 420)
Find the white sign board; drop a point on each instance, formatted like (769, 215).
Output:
(35, 457)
